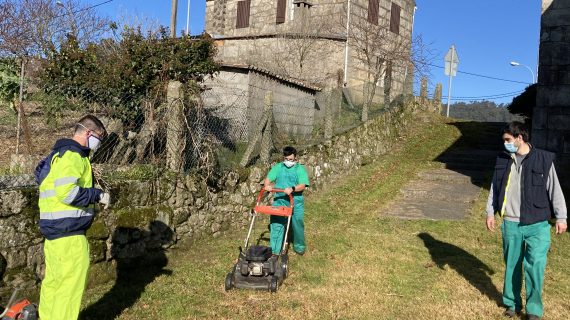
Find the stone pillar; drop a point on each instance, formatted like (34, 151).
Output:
(388, 85)
(175, 128)
(437, 98)
(409, 79)
(423, 92)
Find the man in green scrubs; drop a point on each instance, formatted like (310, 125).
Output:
(292, 177)
(526, 192)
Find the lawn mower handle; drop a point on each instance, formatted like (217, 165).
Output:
(263, 191)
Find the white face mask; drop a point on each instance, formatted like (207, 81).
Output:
(93, 143)
(289, 163)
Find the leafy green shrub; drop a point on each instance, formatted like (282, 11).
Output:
(119, 74)
(9, 82)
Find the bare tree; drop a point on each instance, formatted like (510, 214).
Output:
(296, 49)
(379, 51)
(34, 27)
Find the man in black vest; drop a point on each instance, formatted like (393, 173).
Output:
(526, 192)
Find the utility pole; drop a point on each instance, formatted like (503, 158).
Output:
(173, 19)
(188, 19)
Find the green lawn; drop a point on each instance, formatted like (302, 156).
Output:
(359, 264)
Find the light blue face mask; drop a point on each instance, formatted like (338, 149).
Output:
(289, 163)
(510, 147)
(93, 143)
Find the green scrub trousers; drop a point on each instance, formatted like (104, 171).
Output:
(287, 178)
(525, 245)
(279, 224)
(67, 263)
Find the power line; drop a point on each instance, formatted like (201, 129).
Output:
(84, 9)
(480, 98)
(480, 75)
(492, 95)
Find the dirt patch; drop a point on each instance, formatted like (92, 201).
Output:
(42, 135)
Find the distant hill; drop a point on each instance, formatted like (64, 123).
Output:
(482, 111)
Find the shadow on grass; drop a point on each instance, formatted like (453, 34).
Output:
(137, 266)
(466, 264)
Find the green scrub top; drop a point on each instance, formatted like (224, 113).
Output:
(286, 178)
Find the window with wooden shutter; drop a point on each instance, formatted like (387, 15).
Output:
(395, 18)
(242, 20)
(281, 8)
(373, 6)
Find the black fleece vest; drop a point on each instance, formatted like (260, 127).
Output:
(535, 203)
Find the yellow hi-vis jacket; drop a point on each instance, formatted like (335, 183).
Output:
(67, 195)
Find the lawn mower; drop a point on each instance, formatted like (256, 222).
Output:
(256, 266)
(21, 310)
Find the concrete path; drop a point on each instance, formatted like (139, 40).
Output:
(448, 193)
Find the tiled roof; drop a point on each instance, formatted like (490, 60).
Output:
(274, 75)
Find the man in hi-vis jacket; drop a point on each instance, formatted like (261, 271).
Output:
(66, 202)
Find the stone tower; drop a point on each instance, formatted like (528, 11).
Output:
(551, 115)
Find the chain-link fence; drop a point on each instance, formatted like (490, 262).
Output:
(201, 130)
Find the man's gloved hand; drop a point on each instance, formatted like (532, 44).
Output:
(105, 200)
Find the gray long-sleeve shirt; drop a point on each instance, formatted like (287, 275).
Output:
(511, 207)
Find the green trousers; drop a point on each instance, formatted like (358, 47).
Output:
(67, 263)
(525, 245)
(279, 224)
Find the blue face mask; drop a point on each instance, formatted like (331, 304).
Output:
(93, 143)
(510, 146)
(289, 163)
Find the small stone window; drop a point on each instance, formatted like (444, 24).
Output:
(373, 8)
(281, 8)
(395, 18)
(242, 20)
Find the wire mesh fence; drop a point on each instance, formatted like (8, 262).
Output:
(188, 129)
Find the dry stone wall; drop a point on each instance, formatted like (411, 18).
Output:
(149, 215)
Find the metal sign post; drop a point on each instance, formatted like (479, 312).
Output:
(451, 62)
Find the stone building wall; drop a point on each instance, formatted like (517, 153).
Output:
(262, 19)
(151, 214)
(276, 46)
(293, 106)
(227, 98)
(551, 115)
(237, 93)
(357, 78)
(281, 55)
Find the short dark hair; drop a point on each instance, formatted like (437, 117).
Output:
(288, 150)
(90, 122)
(516, 129)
